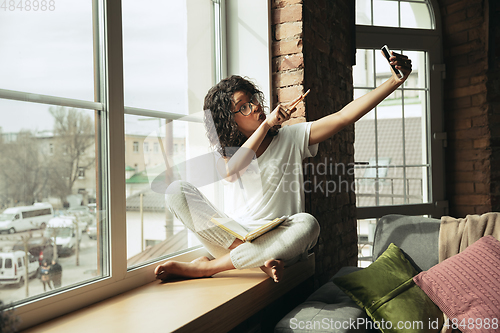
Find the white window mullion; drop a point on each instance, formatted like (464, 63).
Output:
(114, 102)
(47, 99)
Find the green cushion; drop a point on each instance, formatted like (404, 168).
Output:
(386, 291)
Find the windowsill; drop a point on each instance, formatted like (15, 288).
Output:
(215, 304)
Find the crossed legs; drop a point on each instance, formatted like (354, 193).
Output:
(270, 252)
(204, 267)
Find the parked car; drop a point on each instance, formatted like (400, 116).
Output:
(12, 267)
(39, 247)
(23, 218)
(64, 229)
(83, 214)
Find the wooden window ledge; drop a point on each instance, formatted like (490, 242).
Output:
(215, 304)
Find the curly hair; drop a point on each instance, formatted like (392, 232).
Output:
(222, 129)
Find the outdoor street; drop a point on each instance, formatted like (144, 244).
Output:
(71, 273)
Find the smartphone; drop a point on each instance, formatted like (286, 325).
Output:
(299, 99)
(387, 55)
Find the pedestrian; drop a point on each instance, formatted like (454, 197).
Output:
(45, 275)
(55, 273)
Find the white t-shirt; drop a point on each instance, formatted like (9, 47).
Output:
(273, 184)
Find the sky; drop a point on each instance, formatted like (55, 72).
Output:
(51, 52)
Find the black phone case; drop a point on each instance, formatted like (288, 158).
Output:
(387, 56)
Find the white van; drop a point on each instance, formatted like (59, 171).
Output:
(64, 229)
(23, 218)
(12, 267)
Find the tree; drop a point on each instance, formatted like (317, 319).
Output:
(23, 170)
(73, 135)
(78, 235)
(25, 240)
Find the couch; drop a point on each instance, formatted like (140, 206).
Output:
(418, 239)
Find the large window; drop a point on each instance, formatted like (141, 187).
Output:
(98, 99)
(49, 148)
(166, 80)
(398, 145)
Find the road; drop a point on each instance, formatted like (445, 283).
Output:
(71, 274)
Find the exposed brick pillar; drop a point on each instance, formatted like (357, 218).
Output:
(466, 107)
(494, 100)
(312, 50)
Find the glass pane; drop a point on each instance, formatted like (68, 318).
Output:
(415, 15)
(366, 232)
(49, 195)
(364, 129)
(166, 53)
(415, 150)
(363, 71)
(416, 184)
(417, 78)
(49, 42)
(385, 13)
(152, 231)
(364, 149)
(391, 188)
(168, 66)
(364, 12)
(149, 223)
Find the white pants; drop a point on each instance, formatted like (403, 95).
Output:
(288, 242)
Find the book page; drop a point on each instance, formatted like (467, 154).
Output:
(237, 230)
(231, 226)
(265, 228)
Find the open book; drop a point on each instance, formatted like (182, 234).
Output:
(235, 229)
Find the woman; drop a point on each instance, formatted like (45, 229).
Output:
(45, 275)
(259, 164)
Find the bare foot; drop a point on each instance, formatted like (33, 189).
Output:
(274, 268)
(176, 269)
(200, 259)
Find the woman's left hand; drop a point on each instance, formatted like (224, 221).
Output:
(403, 63)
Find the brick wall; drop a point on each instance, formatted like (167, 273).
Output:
(466, 106)
(493, 98)
(312, 50)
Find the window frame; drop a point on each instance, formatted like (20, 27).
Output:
(117, 278)
(434, 16)
(110, 109)
(430, 41)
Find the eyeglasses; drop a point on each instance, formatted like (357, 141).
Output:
(246, 109)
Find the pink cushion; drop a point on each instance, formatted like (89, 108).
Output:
(466, 286)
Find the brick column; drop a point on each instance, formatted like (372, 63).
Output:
(312, 50)
(288, 60)
(493, 98)
(468, 156)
